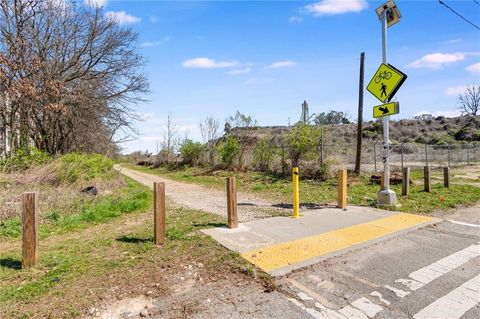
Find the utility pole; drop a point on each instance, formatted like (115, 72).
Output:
(360, 115)
(386, 196)
(305, 113)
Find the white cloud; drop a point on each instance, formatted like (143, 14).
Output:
(154, 19)
(474, 68)
(240, 71)
(446, 113)
(150, 44)
(206, 63)
(122, 17)
(295, 19)
(281, 64)
(455, 90)
(436, 60)
(95, 3)
(453, 41)
(331, 7)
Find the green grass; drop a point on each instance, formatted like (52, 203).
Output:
(65, 263)
(133, 197)
(360, 191)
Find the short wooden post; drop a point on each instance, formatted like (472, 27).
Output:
(30, 229)
(342, 188)
(427, 179)
(446, 177)
(159, 213)
(232, 202)
(406, 181)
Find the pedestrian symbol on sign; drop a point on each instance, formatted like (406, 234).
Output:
(383, 90)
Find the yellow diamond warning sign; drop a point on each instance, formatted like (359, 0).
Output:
(386, 81)
(386, 109)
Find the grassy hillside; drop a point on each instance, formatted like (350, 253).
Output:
(439, 130)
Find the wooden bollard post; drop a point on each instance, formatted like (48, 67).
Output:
(30, 229)
(342, 188)
(446, 177)
(406, 181)
(232, 202)
(159, 213)
(427, 179)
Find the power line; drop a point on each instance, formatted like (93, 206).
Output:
(476, 2)
(458, 14)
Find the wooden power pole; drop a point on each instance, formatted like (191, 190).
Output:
(360, 115)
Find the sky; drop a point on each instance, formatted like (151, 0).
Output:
(264, 58)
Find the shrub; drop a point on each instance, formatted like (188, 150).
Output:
(229, 150)
(302, 140)
(76, 166)
(23, 159)
(191, 152)
(263, 155)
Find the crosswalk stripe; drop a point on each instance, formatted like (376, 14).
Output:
(368, 307)
(352, 313)
(439, 268)
(455, 303)
(464, 224)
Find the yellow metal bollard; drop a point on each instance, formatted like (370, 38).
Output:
(296, 208)
(342, 188)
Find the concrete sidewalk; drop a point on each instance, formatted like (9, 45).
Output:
(279, 245)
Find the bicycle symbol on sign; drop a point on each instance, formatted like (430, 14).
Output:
(385, 75)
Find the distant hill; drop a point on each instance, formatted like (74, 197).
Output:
(439, 130)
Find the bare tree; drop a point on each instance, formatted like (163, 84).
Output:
(209, 128)
(68, 75)
(170, 139)
(469, 100)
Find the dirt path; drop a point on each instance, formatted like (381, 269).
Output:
(207, 199)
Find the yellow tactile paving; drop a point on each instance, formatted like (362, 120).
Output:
(280, 255)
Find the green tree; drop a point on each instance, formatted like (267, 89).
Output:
(229, 150)
(332, 117)
(191, 151)
(263, 155)
(301, 140)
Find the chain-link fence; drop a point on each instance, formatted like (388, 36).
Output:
(405, 154)
(278, 158)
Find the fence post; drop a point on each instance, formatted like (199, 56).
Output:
(468, 154)
(321, 145)
(446, 177)
(232, 202)
(401, 153)
(29, 229)
(427, 179)
(375, 155)
(159, 213)
(449, 155)
(426, 155)
(283, 160)
(342, 188)
(406, 181)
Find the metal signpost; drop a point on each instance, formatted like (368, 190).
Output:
(384, 84)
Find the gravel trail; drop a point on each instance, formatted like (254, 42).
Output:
(207, 199)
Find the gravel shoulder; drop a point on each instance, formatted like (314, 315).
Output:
(206, 199)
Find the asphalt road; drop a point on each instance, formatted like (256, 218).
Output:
(432, 272)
